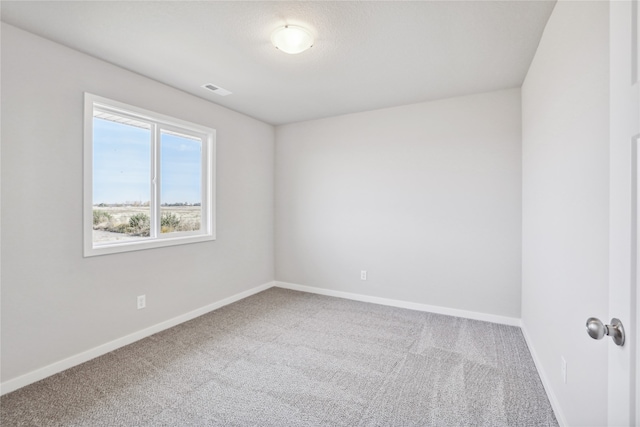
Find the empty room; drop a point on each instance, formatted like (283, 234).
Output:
(373, 213)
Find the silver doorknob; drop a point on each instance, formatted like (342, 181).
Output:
(597, 330)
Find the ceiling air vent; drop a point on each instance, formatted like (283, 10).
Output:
(216, 89)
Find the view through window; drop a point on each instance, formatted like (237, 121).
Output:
(151, 180)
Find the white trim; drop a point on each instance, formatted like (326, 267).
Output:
(493, 318)
(555, 404)
(42, 373)
(157, 124)
(56, 367)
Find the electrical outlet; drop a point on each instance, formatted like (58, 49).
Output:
(142, 301)
(563, 367)
(363, 275)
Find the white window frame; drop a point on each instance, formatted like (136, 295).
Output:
(158, 123)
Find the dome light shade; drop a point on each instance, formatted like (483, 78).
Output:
(292, 39)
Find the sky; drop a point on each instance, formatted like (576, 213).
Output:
(122, 165)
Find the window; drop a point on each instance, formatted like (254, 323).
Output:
(149, 179)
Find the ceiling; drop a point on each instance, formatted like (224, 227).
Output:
(367, 54)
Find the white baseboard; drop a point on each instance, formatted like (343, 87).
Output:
(544, 378)
(54, 368)
(493, 318)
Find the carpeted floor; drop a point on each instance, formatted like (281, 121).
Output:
(286, 358)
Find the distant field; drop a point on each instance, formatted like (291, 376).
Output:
(112, 223)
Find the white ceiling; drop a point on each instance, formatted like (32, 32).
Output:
(367, 55)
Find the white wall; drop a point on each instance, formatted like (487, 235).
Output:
(55, 303)
(565, 207)
(425, 197)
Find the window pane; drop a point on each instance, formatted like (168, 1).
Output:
(181, 182)
(121, 178)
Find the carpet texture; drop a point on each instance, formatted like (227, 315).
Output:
(287, 358)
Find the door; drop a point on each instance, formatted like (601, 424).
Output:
(623, 259)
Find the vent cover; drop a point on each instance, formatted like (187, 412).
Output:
(216, 89)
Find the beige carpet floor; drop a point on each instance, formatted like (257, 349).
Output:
(287, 358)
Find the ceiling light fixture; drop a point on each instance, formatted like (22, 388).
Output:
(292, 39)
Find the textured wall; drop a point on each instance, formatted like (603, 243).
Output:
(425, 197)
(55, 303)
(565, 100)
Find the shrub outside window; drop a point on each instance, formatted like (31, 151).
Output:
(148, 179)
